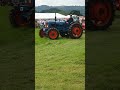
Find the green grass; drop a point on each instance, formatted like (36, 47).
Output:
(59, 64)
(16, 61)
(103, 57)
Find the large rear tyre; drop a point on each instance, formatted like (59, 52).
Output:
(99, 14)
(75, 31)
(53, 33)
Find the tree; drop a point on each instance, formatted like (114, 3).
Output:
(54, 10)
(75, 12)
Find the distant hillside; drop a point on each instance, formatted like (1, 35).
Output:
(53, 10)
(63, 8)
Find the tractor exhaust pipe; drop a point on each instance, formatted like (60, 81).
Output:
(55, 17)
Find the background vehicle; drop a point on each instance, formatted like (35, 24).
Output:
(22, 13)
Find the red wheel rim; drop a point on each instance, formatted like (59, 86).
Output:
(53, 34)
(76, 31)
(100, 13)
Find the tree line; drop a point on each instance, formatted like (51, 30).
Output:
(55, 10)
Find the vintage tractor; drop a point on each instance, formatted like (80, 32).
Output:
(22, 14)
(100, 13)
(52, 29)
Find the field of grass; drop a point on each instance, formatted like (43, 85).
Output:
(16, 55)
(59, 64)
(103, 57)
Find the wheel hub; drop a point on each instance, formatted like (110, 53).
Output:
(53, 34)
(76, 31)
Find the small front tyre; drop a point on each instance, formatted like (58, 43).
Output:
(41, 33)
(53, 34)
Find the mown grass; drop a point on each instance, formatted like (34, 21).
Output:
(59, 64)
(103, 57)
(16, 54)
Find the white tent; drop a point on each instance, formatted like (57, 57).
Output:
(49, 16)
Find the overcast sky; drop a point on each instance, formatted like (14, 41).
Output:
(60, 2)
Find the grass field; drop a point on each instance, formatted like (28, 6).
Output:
(59, 64)
(16, 55)
(103, 57)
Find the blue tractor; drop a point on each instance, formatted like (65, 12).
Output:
(52, 29)
(22, 13)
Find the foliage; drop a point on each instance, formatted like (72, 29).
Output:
(75, 12)
(54, 10)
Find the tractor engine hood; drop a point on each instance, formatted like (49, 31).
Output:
(52, 23)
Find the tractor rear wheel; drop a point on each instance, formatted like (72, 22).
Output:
(99, 14)
(41, 33)
(75, 31)
(53, 33)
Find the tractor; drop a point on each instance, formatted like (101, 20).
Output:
(53, 28)
(100, 13)
(22, 14)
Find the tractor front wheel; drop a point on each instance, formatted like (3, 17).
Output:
(53, 33)
(41, 33)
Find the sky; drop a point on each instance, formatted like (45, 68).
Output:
(60, 2)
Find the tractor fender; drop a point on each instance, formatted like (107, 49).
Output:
(52, 28)
(74, 23)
